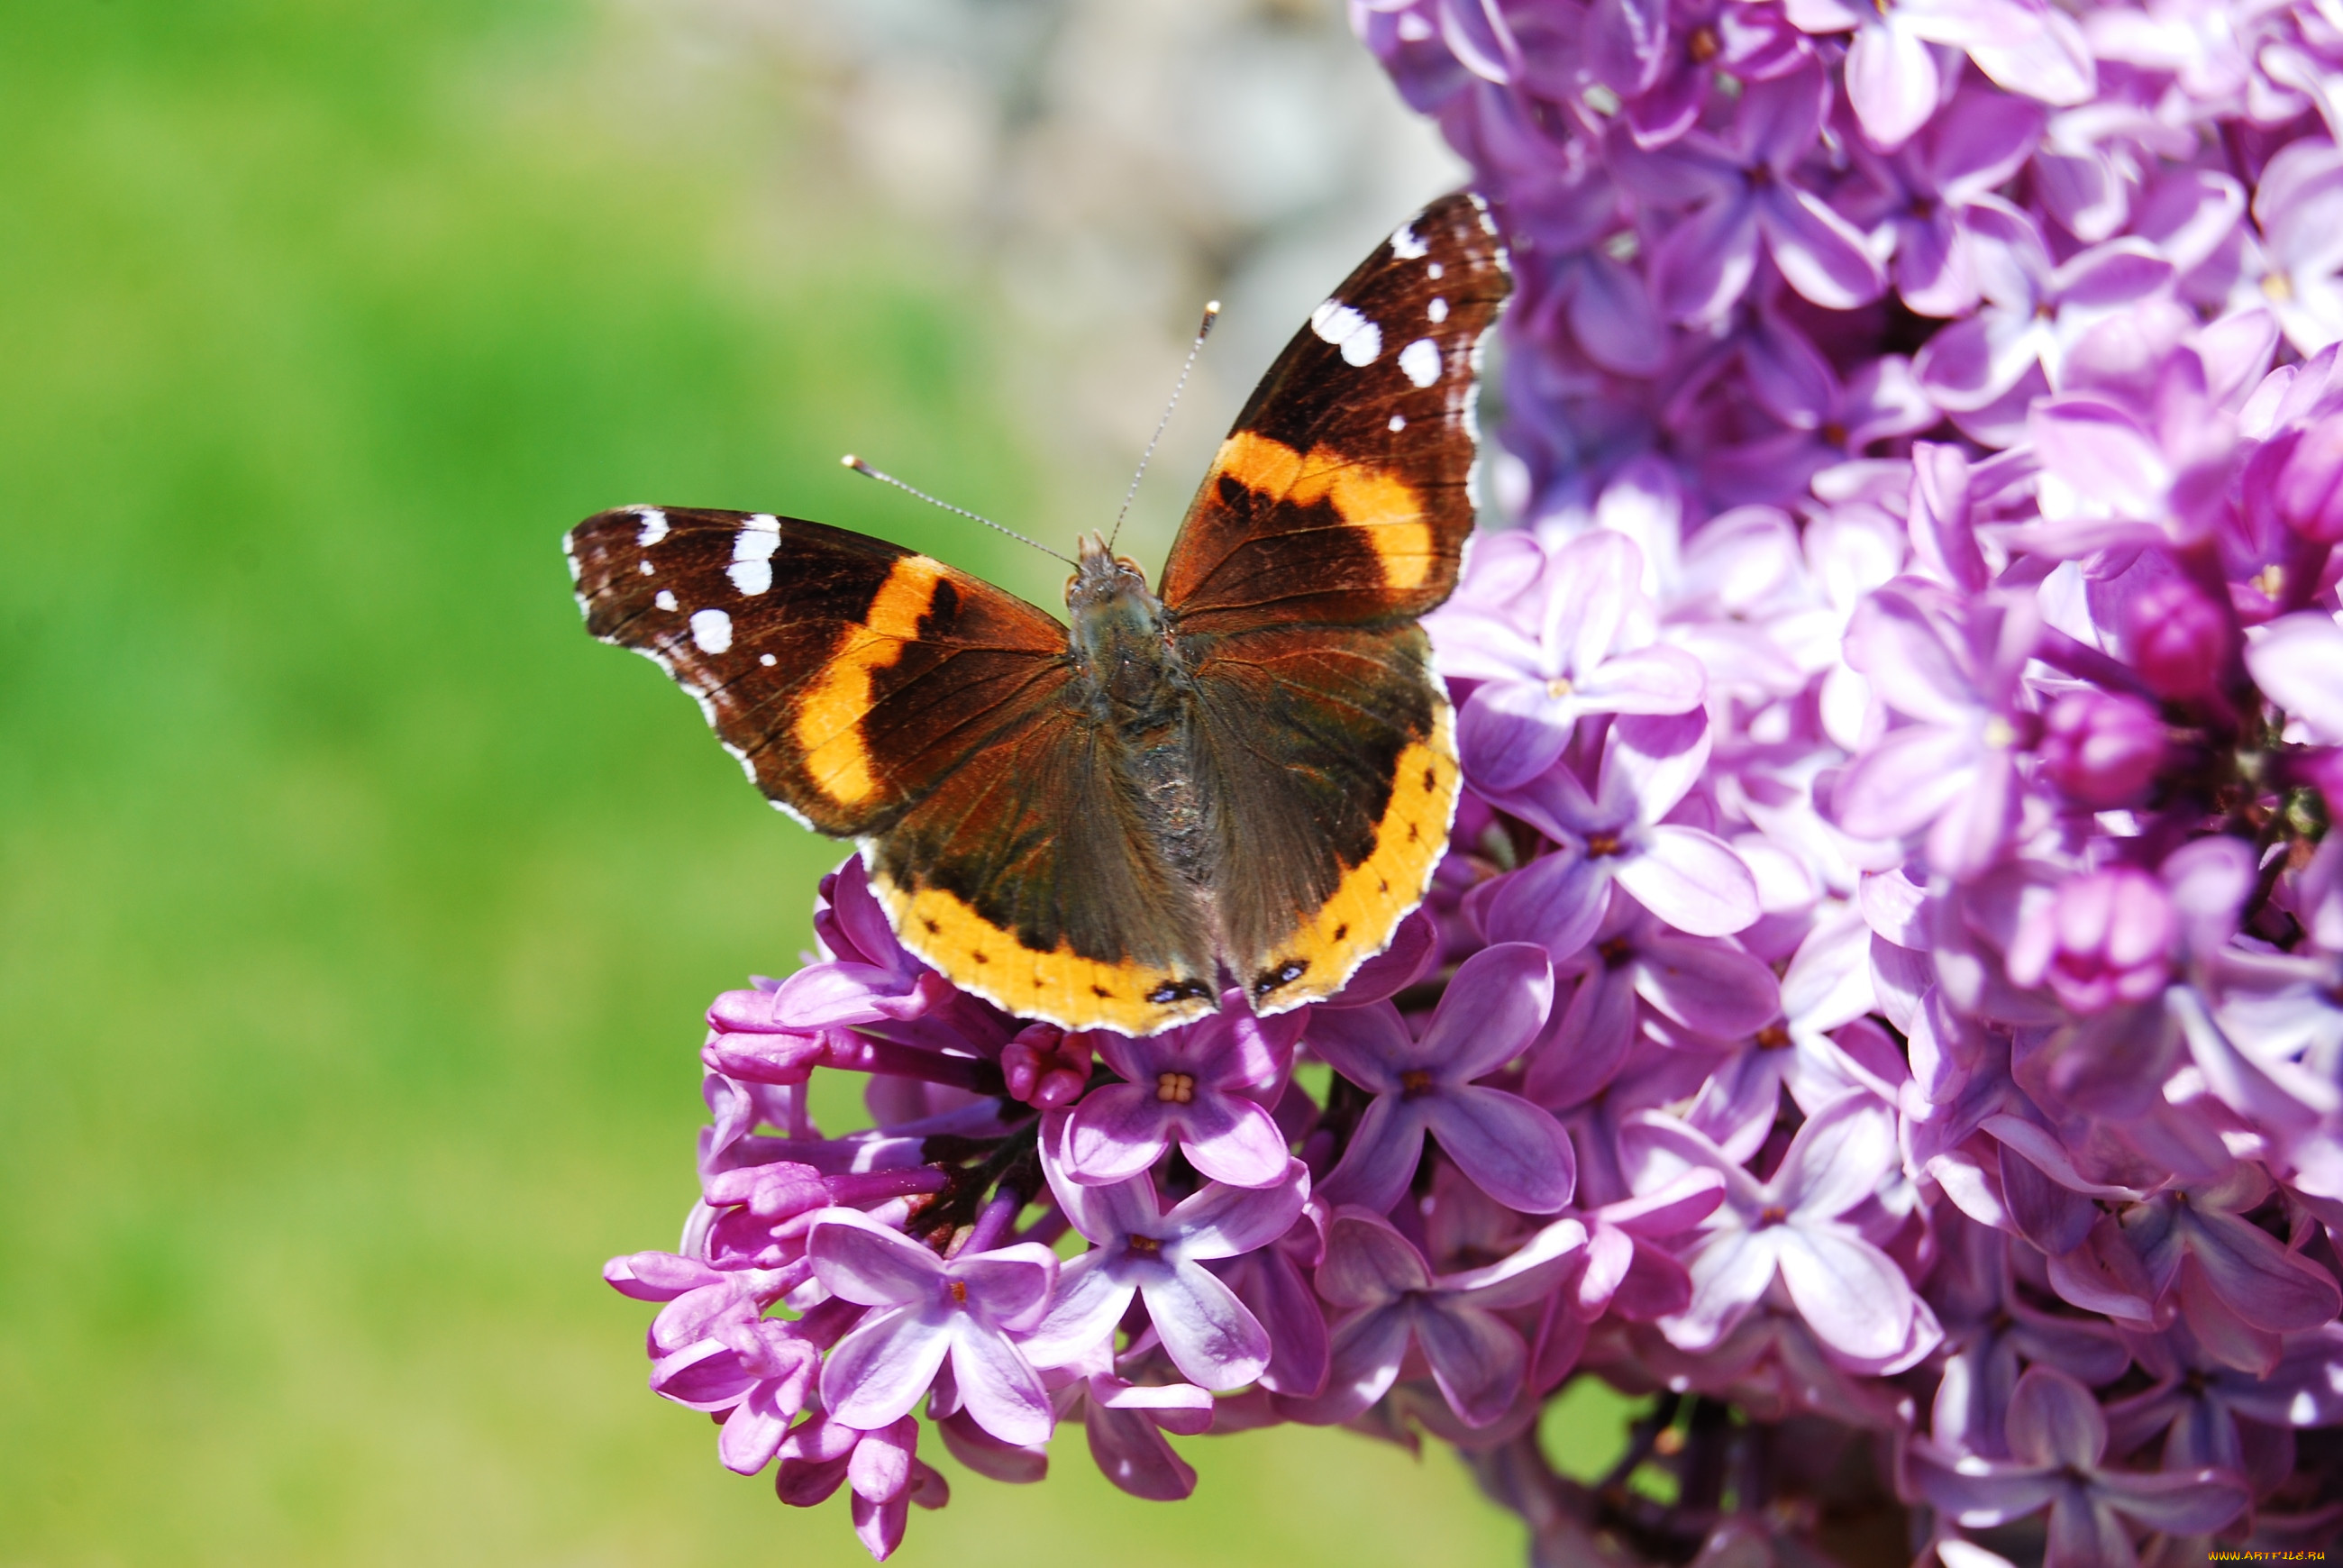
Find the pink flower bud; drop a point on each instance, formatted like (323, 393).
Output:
(2180, 640)
(1046, 1067)
(2310, 487)
(2101, 940)
(2102, 748)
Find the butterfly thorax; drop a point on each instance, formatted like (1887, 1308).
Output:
(1130, 680)
(1125, 665)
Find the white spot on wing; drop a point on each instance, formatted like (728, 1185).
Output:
(1421, 361)
(1398, 422)
(654, 527)
(765, 659)
(711, 629)
(665, 600)
(1359, 339)
(1433, 270)
(1437, 310)
(752, 556)
(1406, 245)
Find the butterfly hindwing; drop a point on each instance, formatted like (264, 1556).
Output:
(1342, 495)
(1330, 753)
(1030, 877)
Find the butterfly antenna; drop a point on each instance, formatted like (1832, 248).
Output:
(868, 472)
(1211, 314)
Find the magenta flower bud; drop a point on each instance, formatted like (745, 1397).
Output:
(2180, 640)
(1045, 1066)
(2100, 747)
(2102, 941)
(2310, 487)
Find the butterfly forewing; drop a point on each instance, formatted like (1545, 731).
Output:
(1344, 492)
(847, 675)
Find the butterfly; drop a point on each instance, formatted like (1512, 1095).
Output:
(1244, 776)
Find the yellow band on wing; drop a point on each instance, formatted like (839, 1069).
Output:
(828, 723)
(1374, 500)
(1356, 923)
(1060, 988)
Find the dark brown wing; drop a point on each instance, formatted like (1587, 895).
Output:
(1342, 494)
(1328, 756)
(880, 695)
(848, 676)
(1029, 877)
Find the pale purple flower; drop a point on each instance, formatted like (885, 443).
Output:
(2033, 310)
(2207, 1411)
(1492, 1013)
(1390, 1299)
(1796, 1226)
(966, 1307)
(1579, 652)
(1969, 151)
(1953, 669)
(2057, 1438)
(2298, 664)
(1202, 1086)
(1751, 204)
(1686, 876)
(1892, 75)
(1137, 1249)
(1637, 973)
(755, 1372)
(2299, 207)
(1660, 57)
(1991, 1331)
(2227, 1273)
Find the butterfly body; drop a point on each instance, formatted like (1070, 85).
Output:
(1246, 777)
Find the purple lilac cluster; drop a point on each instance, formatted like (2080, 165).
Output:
(1882, 1005)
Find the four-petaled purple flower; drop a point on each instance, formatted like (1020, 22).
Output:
(1137, 1249)
(1204, 1086)
(1390, 1299)
(2058, 1441)
(966, 1307)
(1492, 1013)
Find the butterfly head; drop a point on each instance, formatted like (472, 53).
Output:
(1102, 579)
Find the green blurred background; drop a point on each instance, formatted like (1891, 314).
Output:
(355, 910)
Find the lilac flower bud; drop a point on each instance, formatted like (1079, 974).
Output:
(1045, 1066)
(2178, 639)
(2102, 939)
(2310, 485)
(2102, 748)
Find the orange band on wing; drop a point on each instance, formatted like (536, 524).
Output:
(1375, 501)
(1367, 906)
(1060, 988)
(828, 723)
